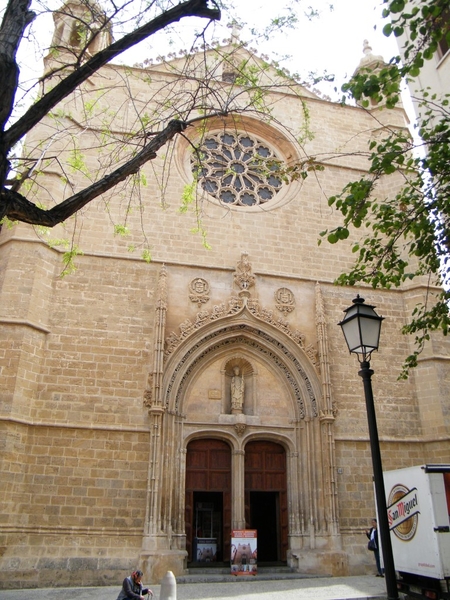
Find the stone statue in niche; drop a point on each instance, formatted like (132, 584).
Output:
(237, 391)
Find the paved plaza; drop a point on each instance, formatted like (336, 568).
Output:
(319, 588)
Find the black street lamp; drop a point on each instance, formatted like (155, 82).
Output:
(361, 327)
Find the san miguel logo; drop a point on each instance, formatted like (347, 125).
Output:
(403, 511)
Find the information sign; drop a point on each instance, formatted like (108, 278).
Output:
(244, 543)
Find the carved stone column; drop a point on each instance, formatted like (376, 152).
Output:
(162, 549)
(153, 400)
(327, 417)
(238, 489)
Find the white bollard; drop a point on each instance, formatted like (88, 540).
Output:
(168, 587)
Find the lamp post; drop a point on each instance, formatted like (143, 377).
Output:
(361, 327)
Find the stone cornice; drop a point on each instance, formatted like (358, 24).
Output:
(24, 323)
(35, 423)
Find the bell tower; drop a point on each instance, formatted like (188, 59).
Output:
(370, 63)
(82, 29)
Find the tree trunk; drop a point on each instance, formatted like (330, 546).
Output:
(15, 20)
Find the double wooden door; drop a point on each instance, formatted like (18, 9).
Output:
(208, 497)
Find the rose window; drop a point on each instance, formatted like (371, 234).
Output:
(237, 169)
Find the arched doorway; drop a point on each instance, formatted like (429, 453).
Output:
(208, 501)
(266, 498)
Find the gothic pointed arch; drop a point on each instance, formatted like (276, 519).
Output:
(241, 331)
(286, 400)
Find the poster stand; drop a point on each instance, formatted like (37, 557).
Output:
(244, 543)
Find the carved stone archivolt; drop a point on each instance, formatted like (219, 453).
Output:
(285, 301)
(199, 290)
(219, 311)
(289, 365)
(235, 304)
(233, 335)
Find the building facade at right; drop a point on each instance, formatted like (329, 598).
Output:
(434, 76)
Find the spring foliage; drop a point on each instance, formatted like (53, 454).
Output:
(407, 236)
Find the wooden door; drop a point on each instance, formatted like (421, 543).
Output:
(208, 470)
(265, 472)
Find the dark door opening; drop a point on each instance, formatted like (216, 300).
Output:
(264, 517)
(207, 527)
(266, 498)
(208, 502)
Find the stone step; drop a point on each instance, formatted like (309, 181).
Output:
(223, 575)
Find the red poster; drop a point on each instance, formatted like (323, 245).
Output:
(244, 544)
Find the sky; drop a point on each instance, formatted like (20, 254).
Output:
(332, 42)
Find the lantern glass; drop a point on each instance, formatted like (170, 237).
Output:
(361, 327)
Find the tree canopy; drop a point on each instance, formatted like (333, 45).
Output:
(79, 64)
(407, 236)
(77, 55)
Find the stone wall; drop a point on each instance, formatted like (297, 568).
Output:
(79, 357)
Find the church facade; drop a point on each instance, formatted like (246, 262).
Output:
(149, 406)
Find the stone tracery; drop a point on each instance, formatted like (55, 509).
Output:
(237, 169)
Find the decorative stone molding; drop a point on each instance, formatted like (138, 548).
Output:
(285, 300)
(235, 304)
(240, 428)
(326, 417)
(243, 276)
(244, 279)
(162, 290)
(199, 290)
(269, 345)
(148, 393)
(312, 353)
(176, 414)
(323, 353)
(152, 392)
(147, 398)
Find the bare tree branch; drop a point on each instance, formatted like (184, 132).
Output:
(17, 207)
(191, 8)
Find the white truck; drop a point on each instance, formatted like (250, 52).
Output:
(418, 501)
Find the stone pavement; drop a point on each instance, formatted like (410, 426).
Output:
(318, 588)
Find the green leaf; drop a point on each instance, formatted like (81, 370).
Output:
(387, 29)
(333, 238)
(397, 6)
